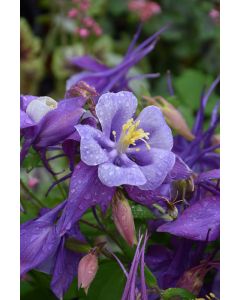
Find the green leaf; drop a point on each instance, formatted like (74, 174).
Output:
(32, 160)
(108, 283)
(190, 85)
(177, 294)
(141, 212)
(151, 280)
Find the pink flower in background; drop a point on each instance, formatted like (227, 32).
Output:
(32, 182)
(214, 14)
(83, 32)
(144, 9)
(86, 25)
(73, 13)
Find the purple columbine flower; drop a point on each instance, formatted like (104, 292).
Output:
(126, 151)
(46, 122)
(104, 78)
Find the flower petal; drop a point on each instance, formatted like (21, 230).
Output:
(92, 142)
(39, 239)
(115, 109)
(196, 221)
(153, 122)
(113, 175)
(58, 124)
(156, 168)
(86, 190)
(64, 270)
(149, 197)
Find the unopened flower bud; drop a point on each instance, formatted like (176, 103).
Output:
(39, 107)
(82, 89)
(123, 218)
(173, 117)
(215, 139)
(87, 270)
(192, 279)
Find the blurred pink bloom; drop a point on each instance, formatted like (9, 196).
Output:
(32, 182)
(144, 9)
(214, 14)
(84, 5)
(88, 21)
(73, 13)
(83, 32)
(97, 30)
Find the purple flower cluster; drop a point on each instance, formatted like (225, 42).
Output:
(128, 155)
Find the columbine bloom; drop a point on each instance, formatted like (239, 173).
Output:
(127, 150)
(115, 79)
(40, 120)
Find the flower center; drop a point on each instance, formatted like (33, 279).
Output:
(130, 134)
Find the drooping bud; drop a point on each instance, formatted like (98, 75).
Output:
(39, 107)
(215, 139)
(123, 218)
(87, 270)
(173, 117)
(81, 89)
(193, 279)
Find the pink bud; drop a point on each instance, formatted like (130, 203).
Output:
(123, 218)
(73, 13)
(215, 139)
(32, 182)
(87, 270)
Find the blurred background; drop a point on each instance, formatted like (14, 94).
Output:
(52, 31)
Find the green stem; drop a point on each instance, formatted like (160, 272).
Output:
(61, 189)
(34, 197)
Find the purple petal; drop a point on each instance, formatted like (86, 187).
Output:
(64, 270)
(153, 122)
(148, 197)
(180, 170)
(86, 190)
(112, 175)
(39, 240)
(25, 100)
(92, 141)
(115, 109)
(51, 131)
(209, 175)
(195, 222)
(25, 121)
(89, 63)
(160, 165)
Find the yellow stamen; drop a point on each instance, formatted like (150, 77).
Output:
(131, 133)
